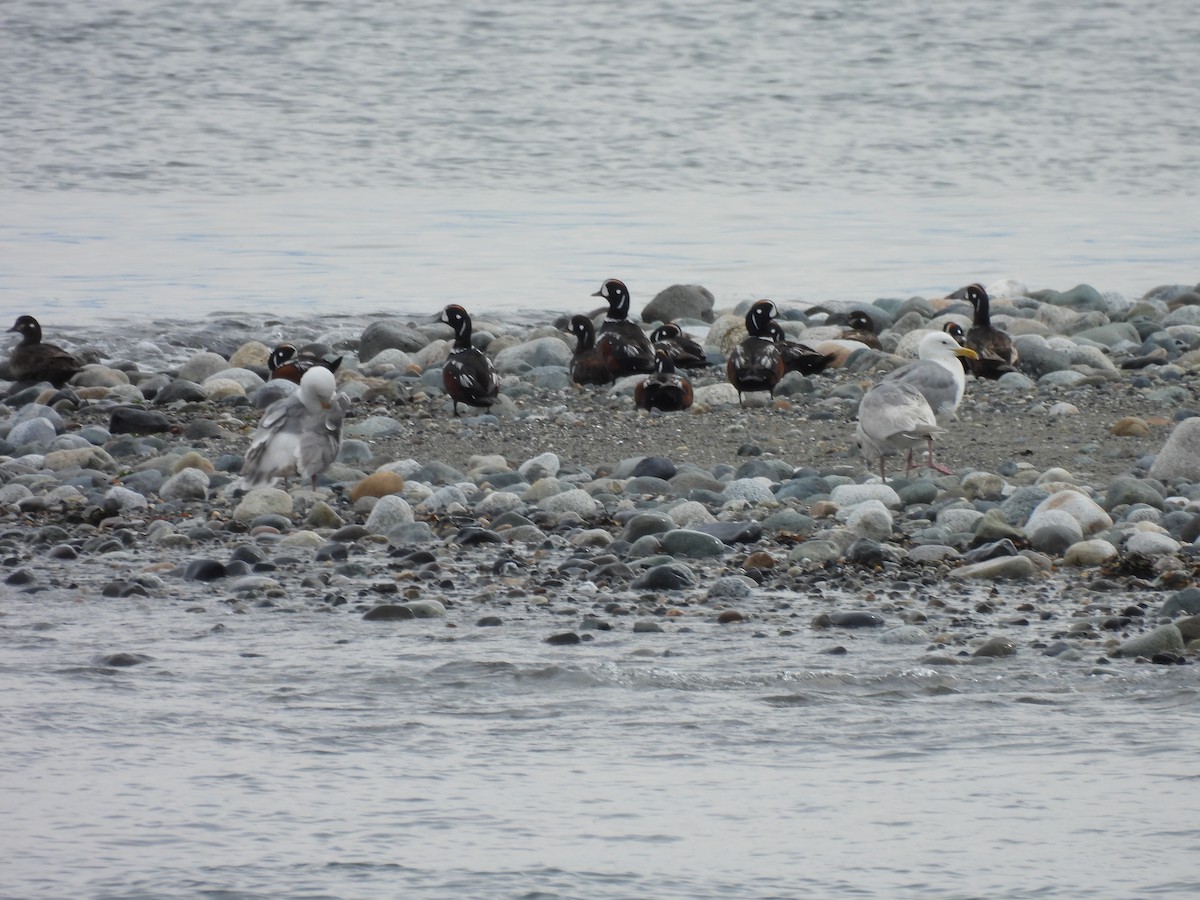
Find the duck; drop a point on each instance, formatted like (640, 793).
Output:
(290, 364)
(894, 416)
(468, 375)
(939, 378)
(34, 361)
(622, 343)
(960, 337)
(757, 363)
(587, 365)
(685, 352)
(997, 355)
(298, 435)
(860, 327)
(665, 389)
(798, 357)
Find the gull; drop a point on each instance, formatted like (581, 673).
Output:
(298, 435)
(894, 416)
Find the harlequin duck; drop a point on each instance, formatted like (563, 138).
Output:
(757, 363)
(622, 343)
(289, 363)
(960, 337)
(798, 357)
(860, 327)
(665, 389)
(33, 361)
(685, 352)
(997, 355)
(587, 365)
(468, 375)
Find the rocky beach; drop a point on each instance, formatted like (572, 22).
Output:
(1068, 529)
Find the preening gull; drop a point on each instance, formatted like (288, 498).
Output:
(298, 435)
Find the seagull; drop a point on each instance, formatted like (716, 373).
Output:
(894, 416)
(939, 377)
(298, 435)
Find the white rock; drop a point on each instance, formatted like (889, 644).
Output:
(1085, 554)
(851, 494)
(575, 500)
(263, 502)
(387, 513)
(1090, 516)
(546, 465)
(752, 490)
(1151, 543)
(690, 513)
(870, 519)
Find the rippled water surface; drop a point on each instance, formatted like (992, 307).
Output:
(174, 160)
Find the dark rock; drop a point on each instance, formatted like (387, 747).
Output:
(132, 420)
(563, 640)
(654, 467)
(123, 660)
(204, 570)
(334, 550)
(668, 577)
(993, 550)
(490, 622)
(732, 532)
(388, 612)
(857, 619)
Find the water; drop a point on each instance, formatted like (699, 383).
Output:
(177, 160)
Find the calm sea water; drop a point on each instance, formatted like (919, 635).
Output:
(178, 159)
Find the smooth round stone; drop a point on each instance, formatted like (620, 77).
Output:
(179, 391)
(1149, 543)
(263, 501)
(254, 584)
(204, 570)
(774, 470)
(646, 523)
(387, 513)
(79, 458)
(669, 577)
(1055, 540)
(680, 301)
(39, 411)
(959, 519)
(690, 514)
(917, 492)
(498, 502)
(302, 538)
(407, 533)
(684, 482)
(355, 452)
(692, 544)
(905, 635)
(449, 497)
(189, 484)
(869, 519)
(995, 648)
(852, 494)
(244, 378)
(1163, 638)
(1085, 554)
(377, 484)
(1128, 491)
(859, 618)
(647, 626)
(789, 521)
(805, 487)
(425, 609)
(202, 365)
(1020, 504)
(735, 587)
(1180, 455)
(648, 485)
(732, 532)
(121, 498)
(1005, 567)
(32, 431)
(1081, 509)
(756, 491)
(1185, 601)
(545, 465)
(648, 545)
(131, 420)
(374, 428)
(982, 486)
(817, 551)
(932, 553)
(576, 501)
(388, 612)
(654, 467)
(385, 334)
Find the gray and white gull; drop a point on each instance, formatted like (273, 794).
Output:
(298, 435)
(915, 402)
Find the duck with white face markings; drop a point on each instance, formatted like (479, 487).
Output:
(468, 375)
